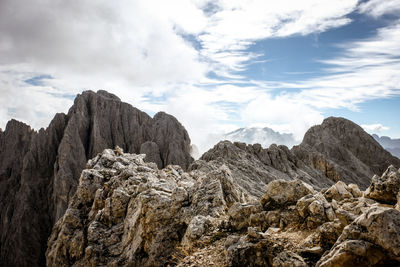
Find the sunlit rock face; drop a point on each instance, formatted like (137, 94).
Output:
(342, 150)
(127, 212)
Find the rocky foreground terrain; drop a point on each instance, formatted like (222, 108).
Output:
(127, 212)
(65, 201)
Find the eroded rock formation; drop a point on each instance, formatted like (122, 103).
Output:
(343, 151)
(39, 171)
(127, 212)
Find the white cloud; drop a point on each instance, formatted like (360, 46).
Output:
(35, 105)
(156, 55)
(377, 8)
(374, 128)
(282, 113)
(236, 25)
(365, 70)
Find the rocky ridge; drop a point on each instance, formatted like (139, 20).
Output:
(127, 212)
(343, 151)
(39, 171)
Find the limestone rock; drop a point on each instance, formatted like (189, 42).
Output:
(128, 212)
(288, 259)
(281, 193)
(372, 239)
(385, 188)
(343, 151)
(315, 210)
(355, 253)
(241, 215)
(338, 192)
(253, 167)
(152, 152)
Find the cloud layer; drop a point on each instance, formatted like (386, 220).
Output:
(188, 58)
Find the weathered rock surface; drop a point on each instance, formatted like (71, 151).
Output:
(373, 239)
(253, 167)
(39, 171)
(280, 193)
(127, 212)
(386, 187)
(343, 151)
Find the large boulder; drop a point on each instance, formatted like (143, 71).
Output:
(355, 253)
(371, 239)
(385, 188)
(280, 193)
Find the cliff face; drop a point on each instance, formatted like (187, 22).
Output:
(39, 171)
(342, 150)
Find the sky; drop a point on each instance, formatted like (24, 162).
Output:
(215, 65)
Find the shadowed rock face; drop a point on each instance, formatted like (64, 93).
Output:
(342, 150)
(39, 171)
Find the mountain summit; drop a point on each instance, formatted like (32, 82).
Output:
(342, 150)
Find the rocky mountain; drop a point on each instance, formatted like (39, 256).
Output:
(343, 151)
(263, 136)
(391, 145)
(39, 171)
(66, 201)
(253, 167)
(130, 213)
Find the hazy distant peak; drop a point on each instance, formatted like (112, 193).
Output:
(264, 136)
(391, 145)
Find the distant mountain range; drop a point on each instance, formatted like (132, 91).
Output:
(391, 145)
(263, 136)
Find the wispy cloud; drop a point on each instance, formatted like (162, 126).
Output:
(236, 25)
(377, 8)
(374, 128)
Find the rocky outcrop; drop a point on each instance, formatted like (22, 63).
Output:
(386, 187)
(253, 167)
(342, 150)
(39, 171)
(127, 212)
(284, 193)
(373, 239)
